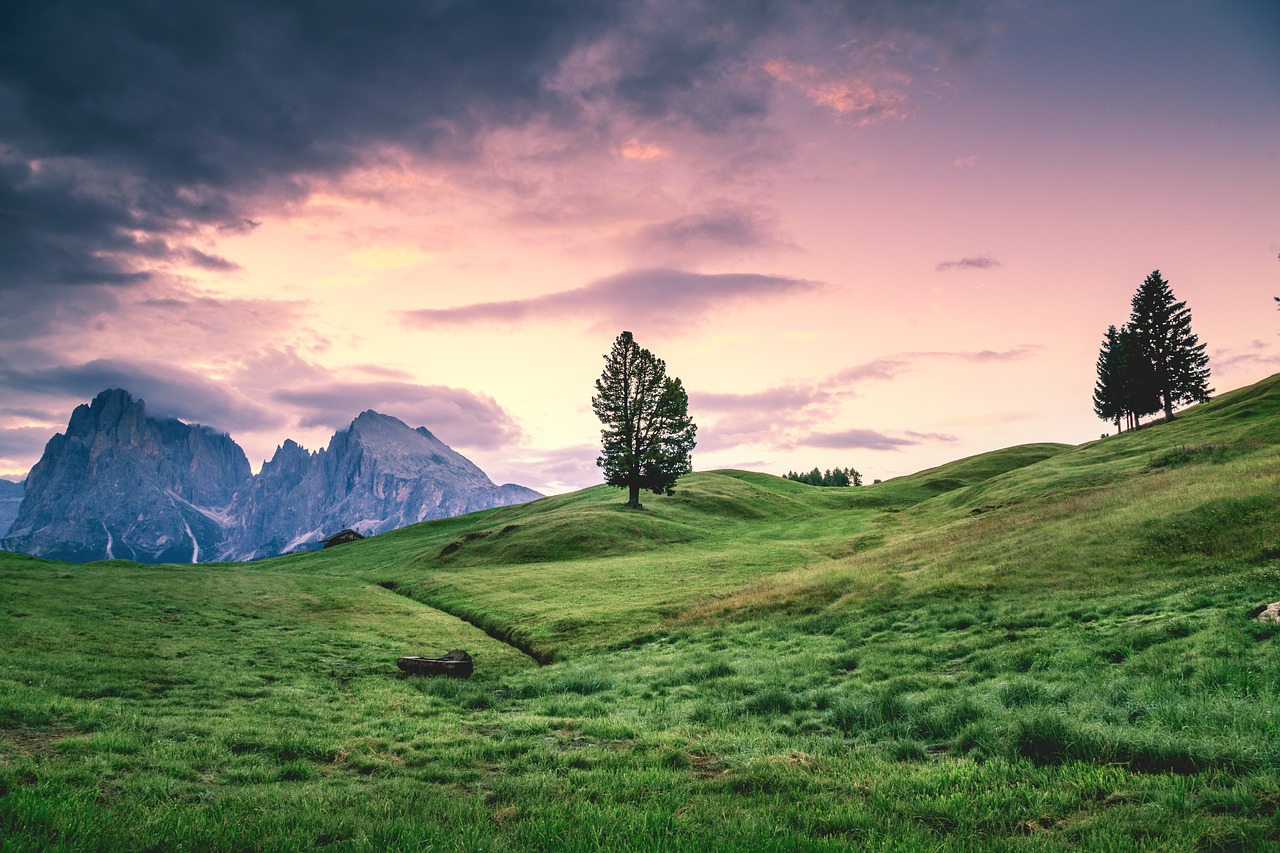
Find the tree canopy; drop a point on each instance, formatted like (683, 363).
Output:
(1151, 363)
(647, 434)
(1125, 390)
(831, 477)
(1162, 327)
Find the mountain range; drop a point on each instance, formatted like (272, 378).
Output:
(120, 484)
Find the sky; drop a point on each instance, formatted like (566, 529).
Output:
(880, 235)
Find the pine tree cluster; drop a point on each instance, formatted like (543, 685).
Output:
(1152, 363)
(832, 477)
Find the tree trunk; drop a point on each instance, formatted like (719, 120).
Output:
(1168, 408)
(634, 501)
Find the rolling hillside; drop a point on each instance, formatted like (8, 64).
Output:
(1043, 647)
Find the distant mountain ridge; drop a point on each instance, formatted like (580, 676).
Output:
(121, 484)
(378, 474)
(10, 498)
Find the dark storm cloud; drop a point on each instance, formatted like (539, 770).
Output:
(458, 417)
(669, 299)
(979, 262)
(127, 127)
(168, 391)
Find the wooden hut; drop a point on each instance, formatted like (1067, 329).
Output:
(343, 537)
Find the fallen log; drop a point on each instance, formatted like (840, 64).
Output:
(456, 663)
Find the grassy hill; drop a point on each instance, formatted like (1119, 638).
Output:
(1044, 647)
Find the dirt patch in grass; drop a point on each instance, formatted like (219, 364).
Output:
(32, 743)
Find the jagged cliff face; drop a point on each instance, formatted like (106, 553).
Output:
(120, 484)
(10, 498)
(377, 475)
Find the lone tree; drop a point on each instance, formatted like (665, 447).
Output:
(1162, 328)
(647, 435)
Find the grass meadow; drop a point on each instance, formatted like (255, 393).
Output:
(1042, 648)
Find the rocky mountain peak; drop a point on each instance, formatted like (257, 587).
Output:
(119, 483)
(109, 412)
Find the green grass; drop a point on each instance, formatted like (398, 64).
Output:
(1041, 648)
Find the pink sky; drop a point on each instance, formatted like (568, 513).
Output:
(879, 239)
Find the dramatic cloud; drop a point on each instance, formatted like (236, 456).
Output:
(129, 138)
(980, 262)
(458, 417)
(660, 299)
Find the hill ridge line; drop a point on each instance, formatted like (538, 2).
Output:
(540, 658)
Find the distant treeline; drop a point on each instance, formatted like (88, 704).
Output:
(834, 477)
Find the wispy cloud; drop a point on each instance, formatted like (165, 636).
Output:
(457, 416)
(1256, 352)
(977, 262)
(800, 413)
(782, 398)
(658, 298)
(854, 98)
(725, 229)
(869, 439)
(550, 471)
(890, 366)
(18, 445)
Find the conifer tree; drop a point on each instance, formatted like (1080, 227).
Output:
(1139, 394)
(1162, 328)
(1108, 398)
(1126, 386)
(647, 434)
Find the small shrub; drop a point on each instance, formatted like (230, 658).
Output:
(674, 759)
(1187, 455)
(844, 662)
(771, 700)
(869, 712)
(949, 716)
(1048, 737)
(981, 739)
(297, 771)
(907, 750)
(581, 683)
(719, 669)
